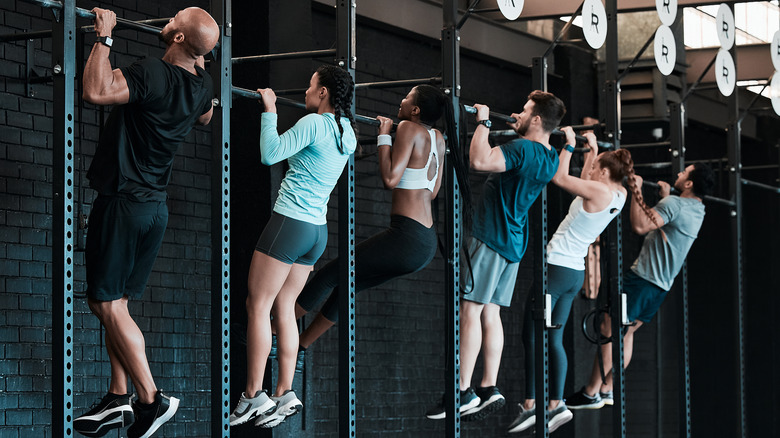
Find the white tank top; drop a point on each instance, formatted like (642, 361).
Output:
(415, 179)
(569, 245)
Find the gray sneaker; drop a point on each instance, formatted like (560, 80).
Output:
(524, 420)
(286, 405)
(559, 416)
(249, 408)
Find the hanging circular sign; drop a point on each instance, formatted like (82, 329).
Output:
(725, 72)
(667, 11)
(594, 23)
(511, 8)
(724, 22)
(665, 50)
(774, 92)
(774, 46)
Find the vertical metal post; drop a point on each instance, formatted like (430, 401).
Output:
(222, 75)
(450, 61)
(677, 131)
(734, 146)
(541, 348)
(615, 230)
(64, 67)
(345, 56)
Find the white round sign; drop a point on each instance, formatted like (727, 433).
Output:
(774, 46)
(594, 23)
(724, 23)
(774, 92)
(511, 8)
(667, 11)
(665, 50)
(725, 72)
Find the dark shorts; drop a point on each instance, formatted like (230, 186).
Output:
(123, 239)
(292, 241)
(644, 298)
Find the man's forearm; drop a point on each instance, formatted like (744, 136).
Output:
(98, 74)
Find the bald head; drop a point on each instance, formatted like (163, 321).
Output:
(194, 28)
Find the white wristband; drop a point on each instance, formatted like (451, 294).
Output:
(384, 140)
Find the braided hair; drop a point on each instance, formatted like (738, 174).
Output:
(340, 88)
(621, 166)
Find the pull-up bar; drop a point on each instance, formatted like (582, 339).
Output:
(47, 33)
(366, 85)
(243, 92)
(83, 13)
(706, 198)
(748, 182)
(289, 55)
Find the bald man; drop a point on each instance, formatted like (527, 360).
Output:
(156, 103)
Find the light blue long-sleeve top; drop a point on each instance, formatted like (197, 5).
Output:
(311, 148)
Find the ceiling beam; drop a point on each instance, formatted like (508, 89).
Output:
(753, 63)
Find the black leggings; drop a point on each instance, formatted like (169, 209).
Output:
(403, 248)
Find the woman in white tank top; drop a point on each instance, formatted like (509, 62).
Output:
(600, 197)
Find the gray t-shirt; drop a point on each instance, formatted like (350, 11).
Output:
(660, 260)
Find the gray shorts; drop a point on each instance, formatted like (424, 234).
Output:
(293, 241)
(493, 276)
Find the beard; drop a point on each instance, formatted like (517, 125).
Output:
(522, 129)
(166, 35)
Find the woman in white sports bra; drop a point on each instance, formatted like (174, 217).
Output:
(412, 167)
(600, 197)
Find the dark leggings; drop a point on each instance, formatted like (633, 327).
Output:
(403, 248)
(564, 283)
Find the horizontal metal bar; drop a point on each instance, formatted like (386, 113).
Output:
(748, 182)
(588, 127)
(760, 167)
(706, 198)
(86, 29)
(512, 133)
(646, 145)
(400, 83)
(83, 13)
(243, 92)
(503, 117)
(289, 55)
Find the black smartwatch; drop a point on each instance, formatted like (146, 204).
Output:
(105, 40)
(486, 123)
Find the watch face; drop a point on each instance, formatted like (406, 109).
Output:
(487, 123)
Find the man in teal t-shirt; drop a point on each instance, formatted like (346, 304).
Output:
(519, 170)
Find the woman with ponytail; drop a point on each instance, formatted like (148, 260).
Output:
(600, 197)
(316, 149)
(412, 167)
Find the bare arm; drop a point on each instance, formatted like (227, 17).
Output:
(640, 222)
(590, 156)
(482, 157)
(101, 84)
(595, 195)
(393, 160)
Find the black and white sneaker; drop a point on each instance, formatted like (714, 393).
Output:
(608, 397)
(149, 418)
(468, 400)
(112, 412)
(581, 400)
(491, 400)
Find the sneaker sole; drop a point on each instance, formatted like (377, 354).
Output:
(609, 402)
(265, 408)
(172, 408)
(483, 410)
(559, 420)
(105, 421)
(463, 410)
(288, 410)
(530, 421)
(597, 405)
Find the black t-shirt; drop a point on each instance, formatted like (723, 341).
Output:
(135, 152)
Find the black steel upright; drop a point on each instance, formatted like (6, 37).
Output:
(734, 147)
(63, 60)
(539, 82)
(345, 57)
(614, 231)
(450, 61)
(221, 73)
(677, 134)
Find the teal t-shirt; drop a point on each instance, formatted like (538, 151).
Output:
(501, 218)
(311, 148)
(660, 260)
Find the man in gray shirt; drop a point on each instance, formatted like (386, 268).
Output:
(671, 227)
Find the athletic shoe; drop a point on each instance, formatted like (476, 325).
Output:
(149, 419)
(525, 419)
(608, 398)
(249, 408)
(491, 400)
(285, 406)
(580, 400)
(112, 412)
(468, 400)
(559, 416)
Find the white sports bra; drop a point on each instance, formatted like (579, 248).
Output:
(415, 179)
